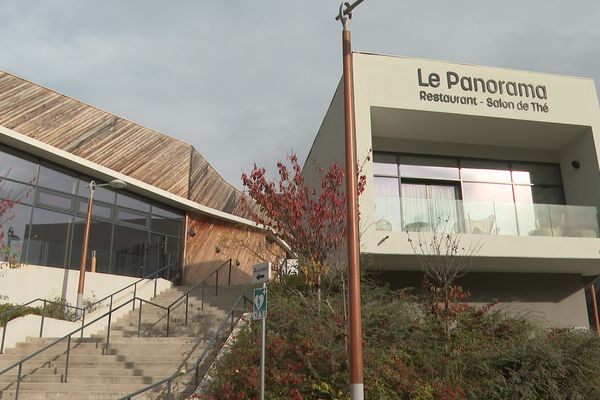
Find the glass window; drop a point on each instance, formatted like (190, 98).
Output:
(55, 200)
(99, 210)
(155, 259)
(164, 225)
(17, 168)
(56, 180)
(18, 192)
(50, 235)
(129, 247)
(132, 217)
(99, 241)
(545, 174)
(14, 225)
(387, 204)
(100, 193)
(131, 202)
(489, 209)
(162, 212)
(548, 195)
(428, 167)
(485, 171)
(385, 164)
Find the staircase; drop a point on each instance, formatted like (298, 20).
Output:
(129, 362)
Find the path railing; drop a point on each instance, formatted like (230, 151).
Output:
(79, 311)
(229, 322)
(185, 297)
(67, 339)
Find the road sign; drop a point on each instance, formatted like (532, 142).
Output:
(259, 304)
(261, 272)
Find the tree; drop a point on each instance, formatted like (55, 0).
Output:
(444, 258)
(311, 222)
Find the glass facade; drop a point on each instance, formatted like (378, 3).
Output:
(42, 221)
(418, 193)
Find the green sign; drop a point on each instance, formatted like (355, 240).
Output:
(259, 305)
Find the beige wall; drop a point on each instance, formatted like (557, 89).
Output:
(556, 300)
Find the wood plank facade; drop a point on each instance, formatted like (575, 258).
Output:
(149, 156)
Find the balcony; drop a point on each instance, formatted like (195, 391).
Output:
(485, 218)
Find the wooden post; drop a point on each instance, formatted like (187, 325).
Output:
(595, 309)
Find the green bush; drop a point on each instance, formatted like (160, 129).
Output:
(407, 354)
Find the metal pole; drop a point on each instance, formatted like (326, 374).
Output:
(595, 308)
(355, 327)
(84, 249)
(263, 326)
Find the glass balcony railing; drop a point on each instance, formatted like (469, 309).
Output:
(485, 218)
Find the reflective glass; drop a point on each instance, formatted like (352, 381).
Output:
(129, 248)
(100, 240)
(132, 217)
(485, 171)
(18, 192)
(162, 212)
(17, 168)
(387, 204)
(163, 225)
(50, 235)
(544, 174)
(14, 225)
(385, 164)
(428, 167)
(99, 210)
(548, 195)
(489, 208)
(100, 193)
(55, 200)
(155, 253)
(131, 202)
(56, 180)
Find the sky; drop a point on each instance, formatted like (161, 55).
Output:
(249, 81)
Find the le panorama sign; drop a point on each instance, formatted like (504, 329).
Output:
(479, 91)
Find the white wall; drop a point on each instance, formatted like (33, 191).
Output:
(27, 283)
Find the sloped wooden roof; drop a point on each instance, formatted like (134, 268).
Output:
(114, 142)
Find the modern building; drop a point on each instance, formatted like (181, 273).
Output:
(507, 159)
(176, 209)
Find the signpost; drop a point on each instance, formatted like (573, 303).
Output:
(261, 273)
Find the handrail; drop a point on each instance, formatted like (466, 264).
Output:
(67, 336)
(43, 315)
(174, 304)
(83, 309)
(196, 365)
(109, 315)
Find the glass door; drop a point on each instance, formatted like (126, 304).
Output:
(429, 206)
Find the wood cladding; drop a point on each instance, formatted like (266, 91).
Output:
(115, 143)
(215, 242)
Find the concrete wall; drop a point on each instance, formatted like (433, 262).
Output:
(30, 282)
(556, 300)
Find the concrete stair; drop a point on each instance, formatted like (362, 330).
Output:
(129, 362)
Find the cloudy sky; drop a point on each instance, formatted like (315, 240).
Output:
(250, 81)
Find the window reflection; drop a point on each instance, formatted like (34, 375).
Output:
(56, 180)
(129, 247)
(50, 235)
(14, 223)
(17, 168)
(17, 192)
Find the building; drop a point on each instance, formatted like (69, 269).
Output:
(176, 209)
(505, 158)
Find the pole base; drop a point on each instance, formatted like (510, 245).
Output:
(79, 304)
(357, 391)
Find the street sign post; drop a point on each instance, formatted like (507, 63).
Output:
(261, 273)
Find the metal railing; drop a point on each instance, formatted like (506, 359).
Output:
(79, 311)
(180, 300)
(168, 382)
(106, 350)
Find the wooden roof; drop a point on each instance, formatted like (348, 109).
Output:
(114, 142)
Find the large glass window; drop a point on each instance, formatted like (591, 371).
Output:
(471, 195)
(50, 236)
(46, 222)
